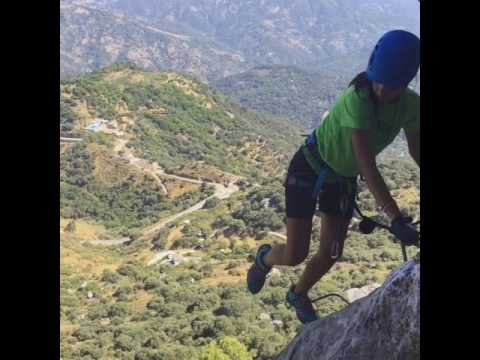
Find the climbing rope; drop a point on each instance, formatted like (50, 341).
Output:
(370, 226)
(331, 294)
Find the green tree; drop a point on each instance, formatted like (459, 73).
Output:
(133, 271)
(110, 277)
(237, 226)
(211, 203)
(118, 310)
(85, 332)
(123, 292)
(148, 355)
(185, 242)
(234, 348)
(151, 283)
(156, 304)
(213, 352)
(124, 342)
(89, 350)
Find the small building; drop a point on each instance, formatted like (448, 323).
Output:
(95, 126)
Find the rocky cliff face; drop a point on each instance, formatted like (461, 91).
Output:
(383, 325)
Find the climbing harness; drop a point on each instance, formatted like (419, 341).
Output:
(348, 186)
(367, 225)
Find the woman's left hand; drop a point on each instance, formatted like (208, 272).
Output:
(404, 231)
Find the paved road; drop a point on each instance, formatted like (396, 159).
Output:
(107, 242)
(221, 192)
(67, 139)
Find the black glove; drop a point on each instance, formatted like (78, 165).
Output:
(367, 225)
(404, 231)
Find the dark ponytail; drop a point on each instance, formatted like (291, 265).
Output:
(361, 81)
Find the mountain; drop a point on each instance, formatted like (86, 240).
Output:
(286, 91)
(169, 123)
(91, 39)
(299, 32)
(229, 36)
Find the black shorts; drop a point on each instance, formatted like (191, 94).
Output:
(334, 198)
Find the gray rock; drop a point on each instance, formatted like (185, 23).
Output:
(274, 273)
(278, 323)
(264, 316)
(354, 294)
(383, 325)
(265, 203)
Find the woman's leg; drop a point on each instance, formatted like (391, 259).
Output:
(292, 253)
(298, 243)
(333, 228)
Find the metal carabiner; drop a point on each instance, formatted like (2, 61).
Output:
(335, 249)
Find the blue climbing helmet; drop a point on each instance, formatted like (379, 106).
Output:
(395, 60)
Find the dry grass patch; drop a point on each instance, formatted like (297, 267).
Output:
(220, 275)
(178, 188)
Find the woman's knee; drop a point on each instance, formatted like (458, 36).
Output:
(298, 240)
(326, 258)
(294, 259)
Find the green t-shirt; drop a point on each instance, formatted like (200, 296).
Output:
(354, 110)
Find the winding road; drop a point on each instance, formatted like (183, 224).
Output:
(107, 242)
(221, 192)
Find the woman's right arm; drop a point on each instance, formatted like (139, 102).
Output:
(368, 168)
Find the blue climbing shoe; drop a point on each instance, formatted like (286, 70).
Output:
(258, 271)
(303, 306)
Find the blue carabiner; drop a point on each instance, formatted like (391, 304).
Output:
(311, 140)
(320, 180)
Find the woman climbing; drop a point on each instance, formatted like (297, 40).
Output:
(366, 118)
